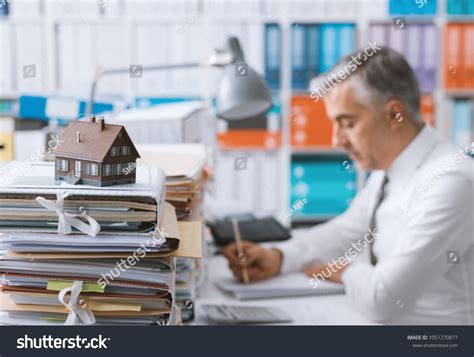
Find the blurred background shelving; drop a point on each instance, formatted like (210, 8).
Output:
(51, 50)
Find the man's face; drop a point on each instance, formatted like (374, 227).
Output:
(358, 128)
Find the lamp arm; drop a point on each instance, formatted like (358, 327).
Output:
(101, 74)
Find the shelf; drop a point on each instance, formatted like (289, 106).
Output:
(318, 150)
(460, 18)
(311, 219)
(460, 92)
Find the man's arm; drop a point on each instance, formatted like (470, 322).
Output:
(332, 239)
(441, 222)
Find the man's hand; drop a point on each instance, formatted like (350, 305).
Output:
(261, 263)
(332, 270)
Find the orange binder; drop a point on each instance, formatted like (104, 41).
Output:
(427, 109)
(310, 126)
(468, 57)
(453, 63)
(249, 139)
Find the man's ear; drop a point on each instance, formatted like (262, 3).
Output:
(395, 113)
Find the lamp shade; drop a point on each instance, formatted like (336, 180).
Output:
(242, 93)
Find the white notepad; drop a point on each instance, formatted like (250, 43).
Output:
(287, 285)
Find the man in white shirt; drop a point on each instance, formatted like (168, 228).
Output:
(404, 249)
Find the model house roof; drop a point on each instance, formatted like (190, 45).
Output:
(90, 140)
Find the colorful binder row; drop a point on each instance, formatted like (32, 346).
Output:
(418, 42)
(57, 107)
(311, 128)
(315, 49)
(458, 51)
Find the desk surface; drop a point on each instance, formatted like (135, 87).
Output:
(308, 310)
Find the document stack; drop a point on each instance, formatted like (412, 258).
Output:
(76, 254)
(184, 166)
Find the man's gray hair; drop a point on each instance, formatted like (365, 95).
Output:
(379, 78)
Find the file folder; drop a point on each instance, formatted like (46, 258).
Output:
(469, 7)
(468, 80)
(325, 183)
(413, 49)
(378, 33)
(346, 35)
(273, 55)
(456, 7)
(329, 47)
(453, 66)
(299, 61)
(306, 48)
(429, 56)
(313, 45)
(412, 7)
(462, 123)
(309, 124)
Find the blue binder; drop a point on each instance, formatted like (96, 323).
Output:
(469, 7)
(329, 47)
(34, 107)
(143, 102)
(455, 7)
(337, 40)
(346, 36)
(273, 55)
(312, 52)
(299, 63)
(412, 7)
(427, 75)
(327, 188)
(4, 10)
(305, 54)
(462, 123)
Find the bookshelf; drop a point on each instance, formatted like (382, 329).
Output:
(125, 32)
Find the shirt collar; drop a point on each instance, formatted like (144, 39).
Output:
(412, 156)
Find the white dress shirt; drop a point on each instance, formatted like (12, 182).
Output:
(424, 243)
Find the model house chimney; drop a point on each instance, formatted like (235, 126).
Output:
(78, 137)
(92, 119)
(101, 124)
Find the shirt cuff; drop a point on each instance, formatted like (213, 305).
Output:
(356, 272)
(291, 257)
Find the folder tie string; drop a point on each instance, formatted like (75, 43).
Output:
(77, 312)
(69, 220)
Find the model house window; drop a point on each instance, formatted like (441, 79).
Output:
(115, 151)
(116, 169)
(119, 136)
(125, 150)
(107, 170)
(63, 165)
(92, 169)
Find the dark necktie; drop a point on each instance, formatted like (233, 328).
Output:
(373, 223)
